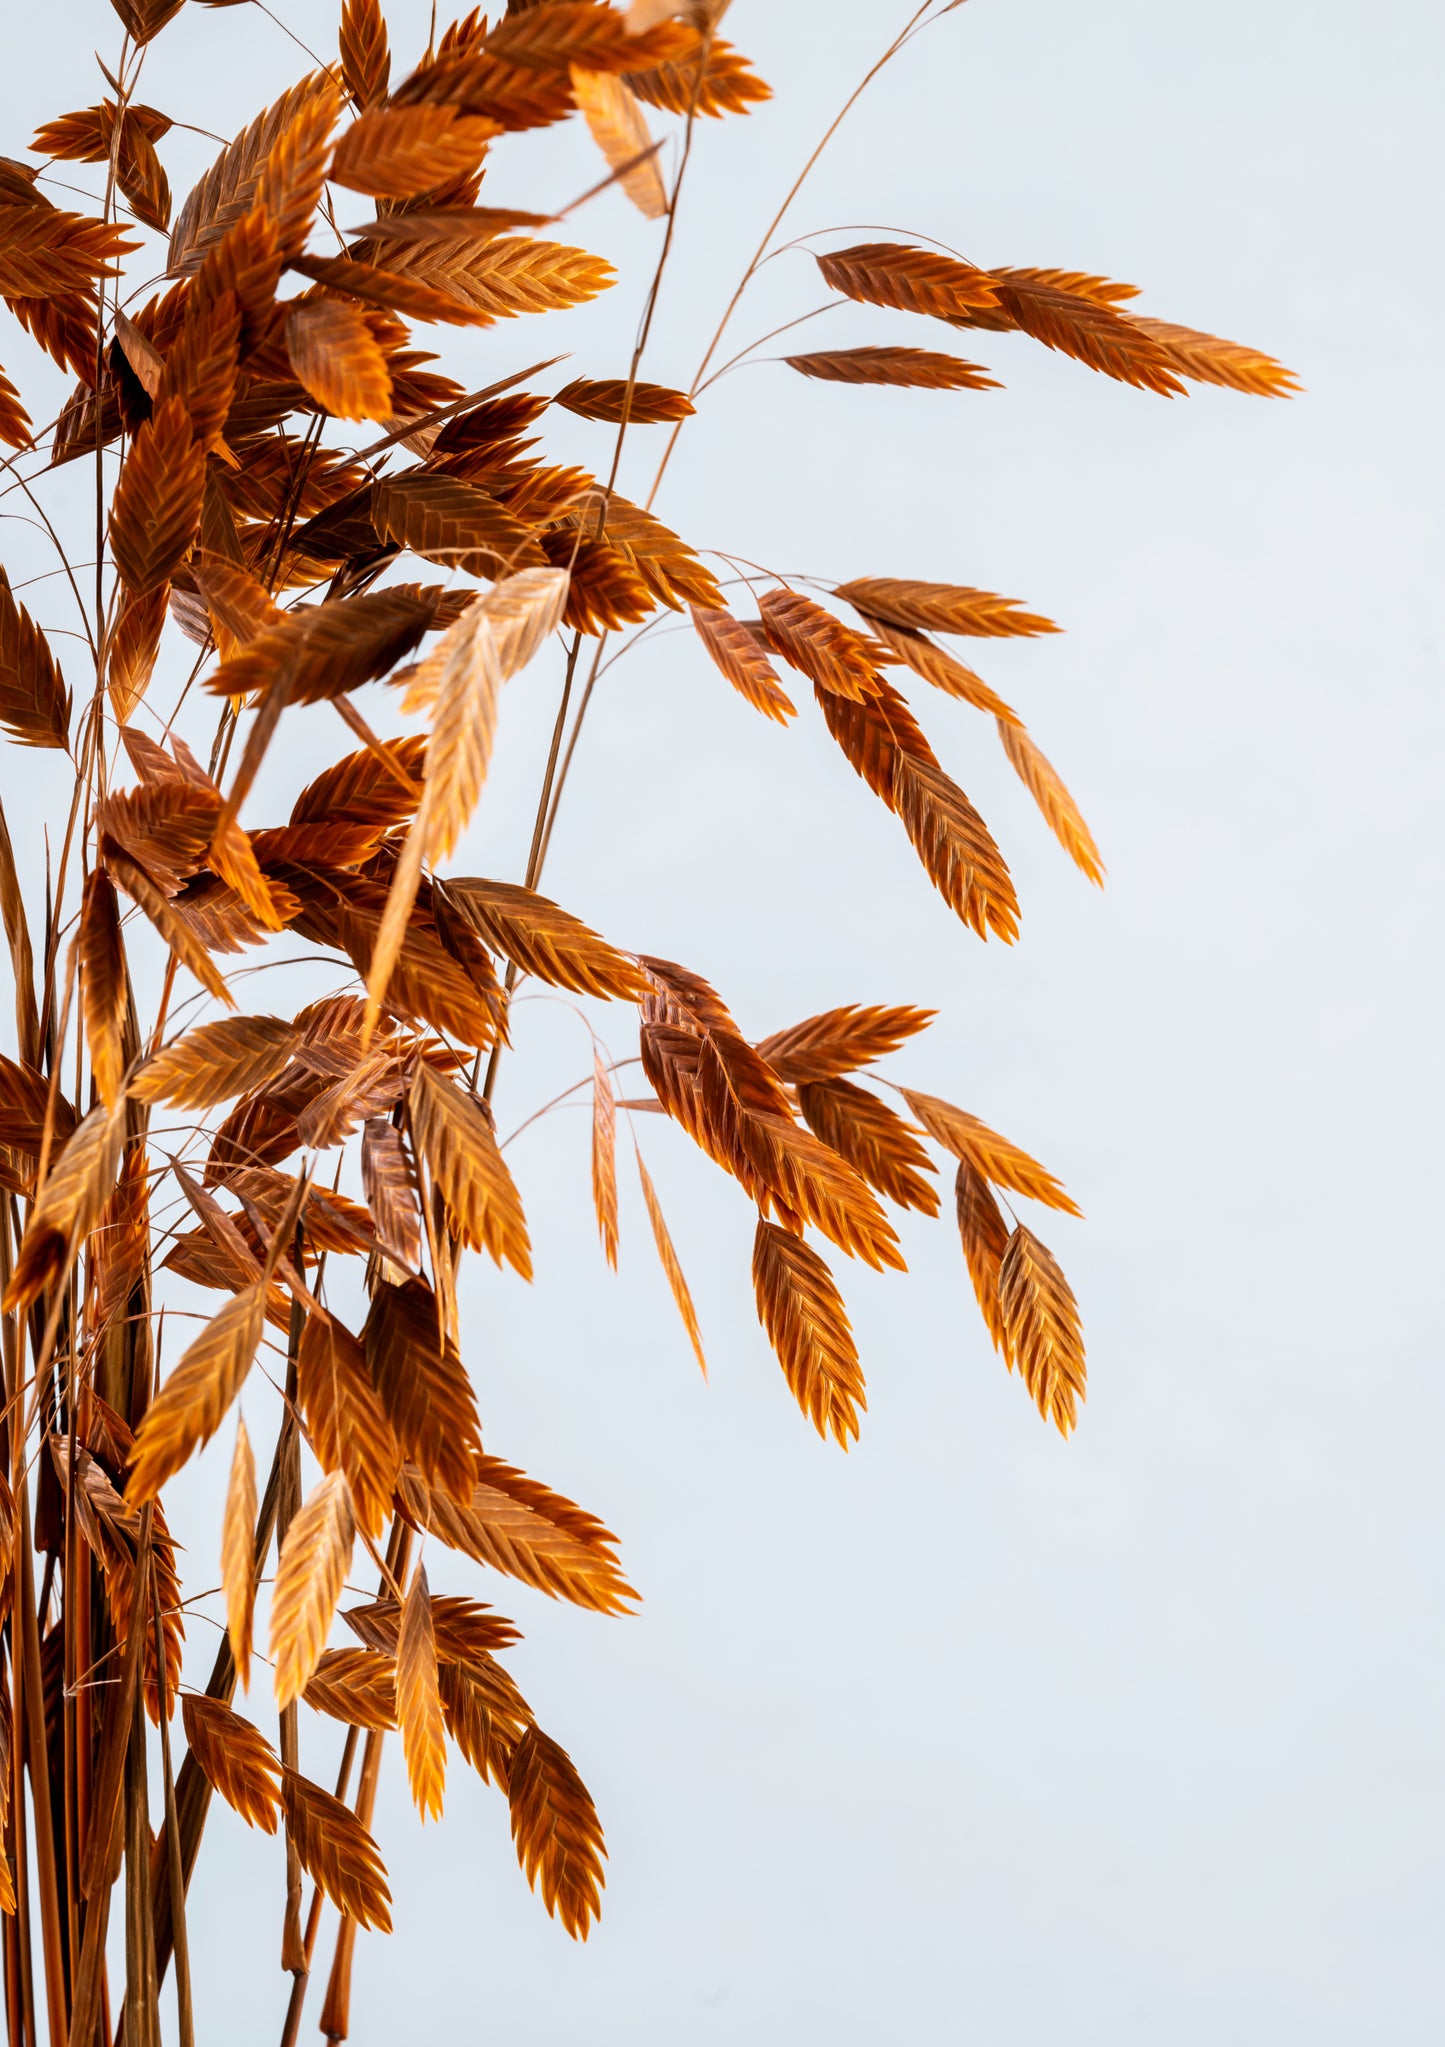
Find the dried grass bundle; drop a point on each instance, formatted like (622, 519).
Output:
(285, 479)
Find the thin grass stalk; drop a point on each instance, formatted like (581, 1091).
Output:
(291, 2027)
(24, 2004)
(176, 1883)
(142, 1994)
(336, 2009)
(120, 1822)
(293, 1945)
(193, 1791)
(14, 2011)
(46, 1881)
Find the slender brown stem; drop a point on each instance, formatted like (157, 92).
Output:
(553, 796)
(19, 1546)
(547, 798)
(37, 1757)
(776, 222)
(440, 413)
(14, 2012)
(292, 2026)
(336, 2011)
(70, 1611)
(293, 1947)
(572, 738)
(142, 1996)
(193, 1791)
(185, 2014)
(352, 719)
(119, 1747)
(534, 856)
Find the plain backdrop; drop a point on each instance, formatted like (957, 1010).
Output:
(972, 1735)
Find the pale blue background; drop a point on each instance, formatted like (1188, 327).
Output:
(972, 1736)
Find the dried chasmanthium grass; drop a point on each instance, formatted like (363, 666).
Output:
(284, 479)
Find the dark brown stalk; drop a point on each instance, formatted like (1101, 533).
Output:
(336, 2011)
(176, 1883)
(15, 1459)
(193, 1791)
(142, 1996)
(22, 961)
(293, 1946)
(99, 1870)
(292, 2026)
(14, 2012)
(51, 1937)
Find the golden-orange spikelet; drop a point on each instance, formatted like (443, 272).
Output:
(874, 1140)
(120, 1240)
(455, 1137)
(614, 398)
(34, 702)
(714, 80)
(1207, 359)
(336, 1851)
(102, 982)
(1005, 1164)
(214, 1061)
(907, 368)
(619, 128)
(604, 1158)
(74, 1194)
(134, 646)
(309, 1575)
(736, 652)
(667, 1256)
(235, 1758)
(1044, 783)
(802, 1311)
(926, 658)
(523, 1528)
(1042, 1332)
(818, 645)
(418, 1700)
(840, 1040)
(157, 506)
(182, 938)
(365, 51)
(541, 939)
(194, 1400)
(942, 608)
(914, 280)
(984, 1235)
(557, 1832)
(227, 191)
(15, 432)
(422, 1386)
(389, 1181)
(238, 1567)
(357, 1686)
(462, 678)
(399, 152)
(1079, 315)
(884, 744)
(337, 358)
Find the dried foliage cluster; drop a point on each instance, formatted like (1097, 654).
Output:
(270, 451)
